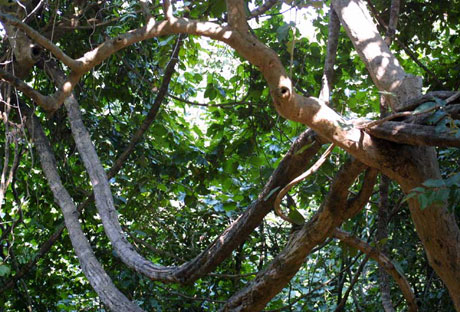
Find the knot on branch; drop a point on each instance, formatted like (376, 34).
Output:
(283, 93)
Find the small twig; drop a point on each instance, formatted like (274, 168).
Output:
(354, 280)
(297, 180)
(37, 7)
(263, 8)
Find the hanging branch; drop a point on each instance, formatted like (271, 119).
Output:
(356, 276)
(394, 15)
(331, 54)
(297, 180)
(90, 266)
(384, 261)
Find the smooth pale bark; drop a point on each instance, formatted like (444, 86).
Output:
(98, 278)
(104, 200)
(383, 67)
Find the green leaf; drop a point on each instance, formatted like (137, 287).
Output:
(296, 216)
(409, 196)
(304, 148)
(423, 201)
(283, 31)
(229, 206)
(453, 180)
(434, 183)
(4, 270)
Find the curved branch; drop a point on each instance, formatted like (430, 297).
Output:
(41, 40)
(93, 270)
(384, 261)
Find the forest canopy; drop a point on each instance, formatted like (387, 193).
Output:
(230, 155)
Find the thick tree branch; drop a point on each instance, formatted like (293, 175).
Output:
(333, 211)
(383, 67)
(383, 261)
(41, 40)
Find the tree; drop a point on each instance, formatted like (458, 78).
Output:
(78, 78)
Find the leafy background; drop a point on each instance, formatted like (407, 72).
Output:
(199, 167)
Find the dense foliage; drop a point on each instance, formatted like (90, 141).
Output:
(211, 148)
